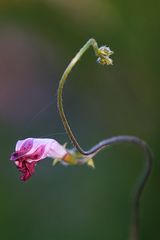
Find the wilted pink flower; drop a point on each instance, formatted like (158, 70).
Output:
(30, 151)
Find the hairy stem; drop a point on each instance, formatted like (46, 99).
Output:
(134, 231)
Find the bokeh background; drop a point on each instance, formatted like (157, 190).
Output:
(37, 41)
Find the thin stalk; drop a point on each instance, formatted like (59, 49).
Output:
(134, 231)
(73, 62)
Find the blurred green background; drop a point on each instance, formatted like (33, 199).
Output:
(37, 41)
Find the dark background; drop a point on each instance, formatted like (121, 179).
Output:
(37, 41)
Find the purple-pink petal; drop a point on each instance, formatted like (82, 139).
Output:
(26, 146)
(27, 163)
(37, 155)
(27, 169)
(30, 151)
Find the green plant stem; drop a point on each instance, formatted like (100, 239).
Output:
(134, 231)
(73, 62)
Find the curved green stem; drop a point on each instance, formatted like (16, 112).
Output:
(73, 62)
(103, 54)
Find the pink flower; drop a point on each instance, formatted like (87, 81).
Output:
(30, 151)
